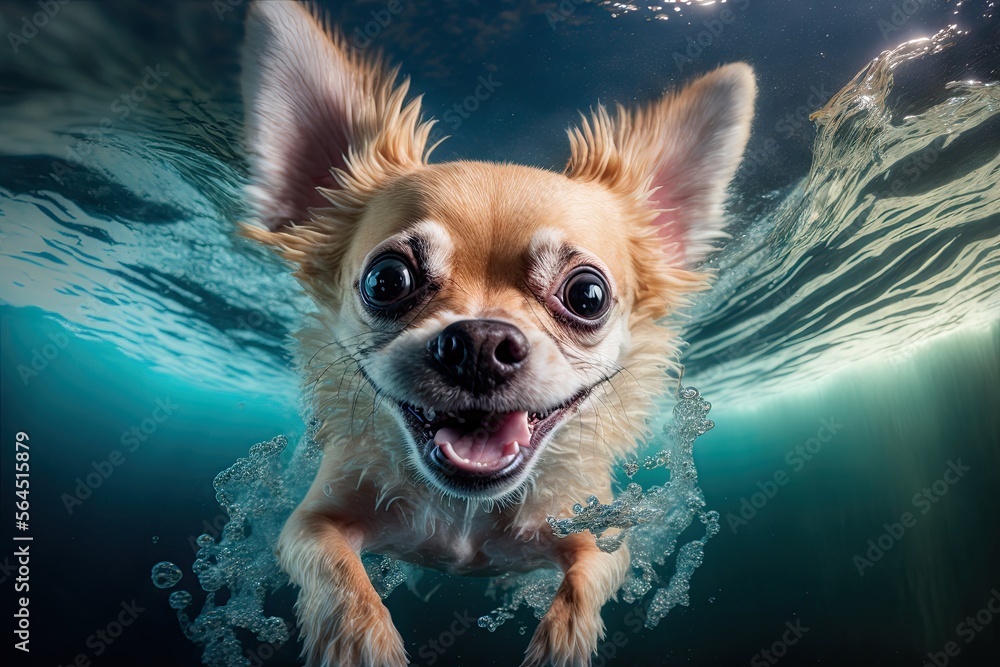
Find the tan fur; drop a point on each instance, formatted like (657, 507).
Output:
(570, 630)
(363, 634)
(640, 199)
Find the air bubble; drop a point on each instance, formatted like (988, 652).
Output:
(260, 491)
(273, 630)
(385, 573)
(495, 619)
(650, 521)
(180, 600)
(257, 493)
(166, 575)
(211, 578)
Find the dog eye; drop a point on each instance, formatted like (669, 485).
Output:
(387, 280)
(585, 294)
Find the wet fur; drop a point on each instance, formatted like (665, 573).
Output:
(339, 165)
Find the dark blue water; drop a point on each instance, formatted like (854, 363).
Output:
(851, 349)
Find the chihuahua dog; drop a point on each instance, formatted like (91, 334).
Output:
(488, 340)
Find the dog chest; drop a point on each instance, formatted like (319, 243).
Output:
(475, 548)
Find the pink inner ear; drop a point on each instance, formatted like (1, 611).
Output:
(671, 227)
(300, 94)
(313, 153)
(688, 180)
(688, 145)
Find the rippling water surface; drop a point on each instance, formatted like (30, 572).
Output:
(850, 345)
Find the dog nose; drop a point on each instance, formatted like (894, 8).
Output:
(479, 355)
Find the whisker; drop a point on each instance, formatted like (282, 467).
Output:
(342, 342)
(421, 311)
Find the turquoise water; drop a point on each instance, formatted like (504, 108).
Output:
(851, 348)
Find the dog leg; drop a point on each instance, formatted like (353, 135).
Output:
(342, 618)
(568, 634)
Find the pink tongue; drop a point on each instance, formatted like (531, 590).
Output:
(487, 446)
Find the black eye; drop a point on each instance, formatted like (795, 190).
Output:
(387, 281)
(586, 294)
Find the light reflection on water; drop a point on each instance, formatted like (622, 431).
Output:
(886, 254)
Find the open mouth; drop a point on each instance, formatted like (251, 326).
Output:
(479, 453)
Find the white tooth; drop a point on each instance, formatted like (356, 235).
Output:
(511, 449)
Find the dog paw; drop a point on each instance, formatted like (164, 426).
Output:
(357, 637)
(566, 637)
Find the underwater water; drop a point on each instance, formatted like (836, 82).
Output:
(842, 510)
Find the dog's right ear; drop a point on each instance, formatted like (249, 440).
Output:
(678, 154)
(324, 125)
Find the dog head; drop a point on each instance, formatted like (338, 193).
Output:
(484, 305)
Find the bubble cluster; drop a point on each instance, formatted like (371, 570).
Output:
(257, 493)
(631, 508)
(180, 600)
(650, 521)
(534, 589)
(260, 491)
(496, 618)
(385, 573)
(166, 575)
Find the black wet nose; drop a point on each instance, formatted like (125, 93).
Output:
(479, 355)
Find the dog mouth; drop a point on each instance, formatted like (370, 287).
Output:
(479, 453)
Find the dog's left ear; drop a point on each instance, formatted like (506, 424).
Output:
(677, 154)
(324, 123)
